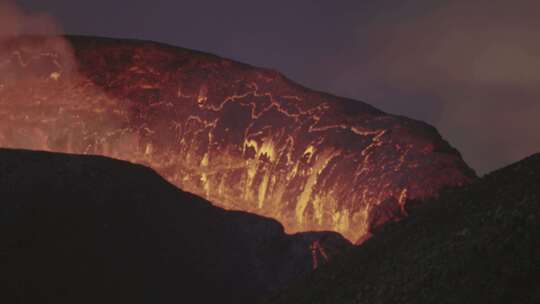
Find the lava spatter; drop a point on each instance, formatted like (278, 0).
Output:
(244, 138)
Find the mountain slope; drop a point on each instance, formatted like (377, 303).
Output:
(86, 229)
(478, 244)
(242, 137)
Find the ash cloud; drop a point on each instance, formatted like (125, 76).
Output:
(15, 22)
(16, 25)
(38, 76)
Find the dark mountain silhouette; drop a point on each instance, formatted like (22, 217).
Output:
(244, 138)
(477, 244)
(87, 229)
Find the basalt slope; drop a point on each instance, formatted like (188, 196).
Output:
(88, 229)
(476, 244)
(242, 137)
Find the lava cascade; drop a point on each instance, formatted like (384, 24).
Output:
(242, 137)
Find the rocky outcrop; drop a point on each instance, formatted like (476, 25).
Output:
(476, 244)
(86, 229)
(242, 137)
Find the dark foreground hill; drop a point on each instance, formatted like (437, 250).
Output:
(477, 244)
(83, 229)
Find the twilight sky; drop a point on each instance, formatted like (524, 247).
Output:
(469, 67)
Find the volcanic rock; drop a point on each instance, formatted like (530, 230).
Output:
(86, 229)
(242, 137)
(477, 244)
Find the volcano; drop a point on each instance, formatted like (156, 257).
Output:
(242, 137)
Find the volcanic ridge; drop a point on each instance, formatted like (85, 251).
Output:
(242, 137)
(87, 229)
(476, 244)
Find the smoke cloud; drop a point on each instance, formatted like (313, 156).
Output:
(15, 22)
(38, 77)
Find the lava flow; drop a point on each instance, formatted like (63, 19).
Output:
(242, 137)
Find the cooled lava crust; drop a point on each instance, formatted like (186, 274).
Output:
(242, 137)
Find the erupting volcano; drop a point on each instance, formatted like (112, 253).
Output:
(242, 137)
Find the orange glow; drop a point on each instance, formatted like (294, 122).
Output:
(241, 137)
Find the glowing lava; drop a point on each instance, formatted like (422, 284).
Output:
(242, 137)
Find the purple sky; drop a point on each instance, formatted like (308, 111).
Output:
(471, 68)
